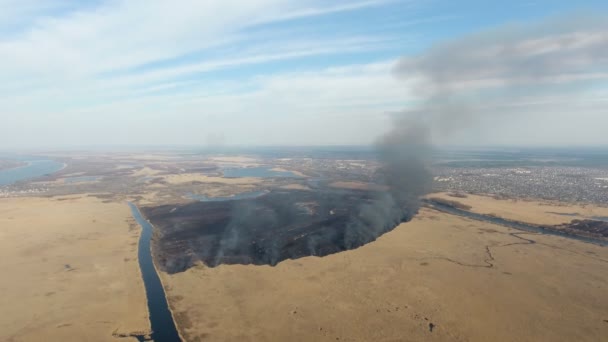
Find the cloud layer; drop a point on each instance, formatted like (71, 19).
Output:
(107, 72)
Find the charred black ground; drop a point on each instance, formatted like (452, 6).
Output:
(293, 224)
(277, 226)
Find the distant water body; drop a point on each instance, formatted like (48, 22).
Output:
(33, 169)
(581, 217)
(258, 172)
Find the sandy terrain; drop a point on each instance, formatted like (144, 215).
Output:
(472, 281)
(145, 172)
(75, 174)
(69, 270)
(235, 159)
(295, 187)
(280, 169)
(144, 156)
(531, 211)
(197, 177)
(240, 161)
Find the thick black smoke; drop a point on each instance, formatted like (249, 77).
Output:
(461, 80)
(404, 153)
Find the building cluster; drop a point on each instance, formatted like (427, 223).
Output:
(568, 184)
(6, 192)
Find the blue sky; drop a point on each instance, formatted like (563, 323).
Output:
(274, 72)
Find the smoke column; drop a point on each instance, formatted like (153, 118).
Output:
(458, 83)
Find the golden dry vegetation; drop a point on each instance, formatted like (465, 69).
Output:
(69, 270)
(294, 187)
(527, 210)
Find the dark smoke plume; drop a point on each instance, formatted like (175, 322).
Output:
(453, 81)
(458, 82)
(404, 153)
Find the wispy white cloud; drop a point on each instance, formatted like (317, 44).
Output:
(322, 10)
(185, 69)
(118, 35)
(77, 48)
(86, 70)
(298, 107)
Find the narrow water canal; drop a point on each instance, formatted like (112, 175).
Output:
(161, 320)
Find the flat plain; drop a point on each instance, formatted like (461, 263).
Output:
(68, 253)
(535, 211)
(70, 270)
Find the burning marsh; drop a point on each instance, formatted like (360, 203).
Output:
(277, 226)
(290, 224)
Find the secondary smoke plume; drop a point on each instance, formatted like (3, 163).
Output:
(462, 81)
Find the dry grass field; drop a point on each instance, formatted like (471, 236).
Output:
(69, 270)
(71, 273)
(530, 211)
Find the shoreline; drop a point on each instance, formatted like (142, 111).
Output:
(150, 299)
(18, 164)
(141, 276)
(175, 321)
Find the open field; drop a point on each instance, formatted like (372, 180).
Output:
(295, 187)
(70, 270)
(529, 211)
(462, 279)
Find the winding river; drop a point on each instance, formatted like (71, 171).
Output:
(161, 320)
(512, 224)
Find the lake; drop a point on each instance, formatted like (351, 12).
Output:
(258, 172)
(35, 168)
